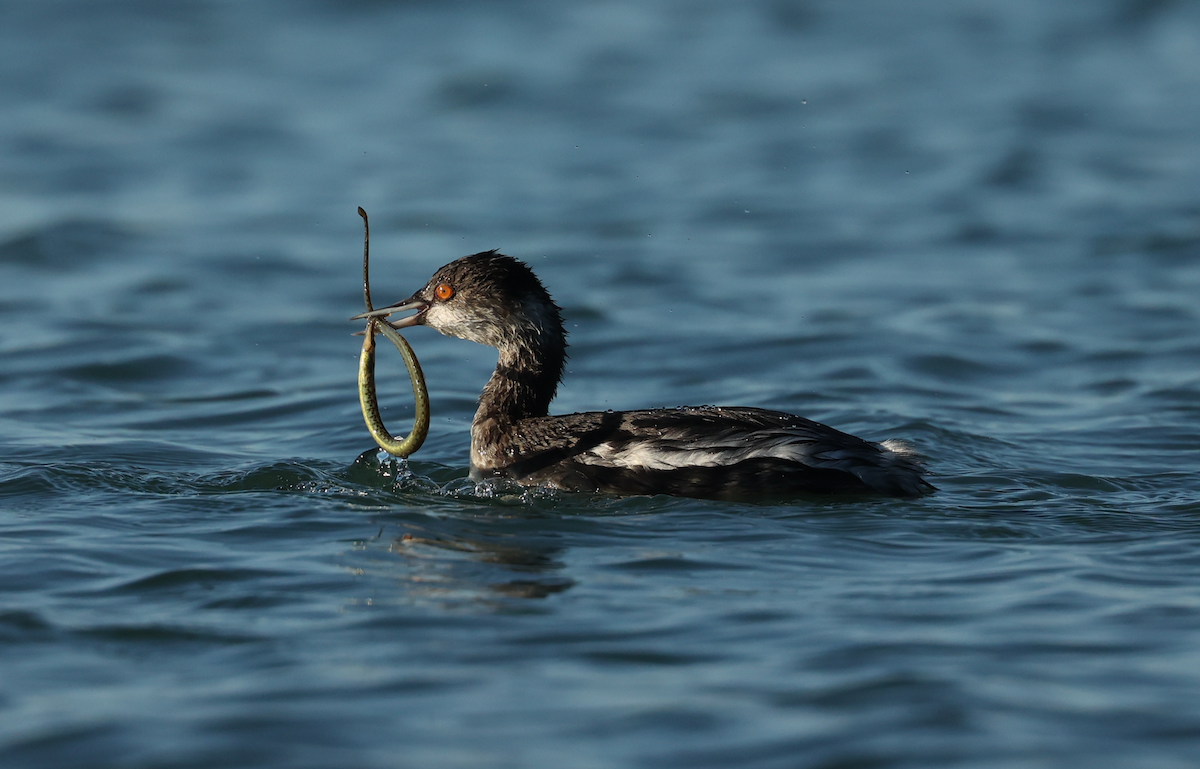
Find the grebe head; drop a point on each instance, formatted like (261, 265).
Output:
(488, 298)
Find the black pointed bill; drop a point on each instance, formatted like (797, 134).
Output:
(408, 304)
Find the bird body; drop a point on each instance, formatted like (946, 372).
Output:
(696, 451)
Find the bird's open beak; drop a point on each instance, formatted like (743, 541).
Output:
(408, 304)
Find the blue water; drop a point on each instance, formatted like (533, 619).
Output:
(973, 226)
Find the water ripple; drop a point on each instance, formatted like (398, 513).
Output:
(893, 222)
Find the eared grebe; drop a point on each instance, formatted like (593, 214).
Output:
(702, 451)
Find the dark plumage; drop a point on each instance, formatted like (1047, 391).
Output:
(704, 451)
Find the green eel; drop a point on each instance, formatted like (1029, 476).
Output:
(366, 372)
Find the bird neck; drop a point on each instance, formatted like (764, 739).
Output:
(525, 381)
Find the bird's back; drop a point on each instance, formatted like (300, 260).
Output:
(702, 451)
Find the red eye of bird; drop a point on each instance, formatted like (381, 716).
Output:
(443, 291)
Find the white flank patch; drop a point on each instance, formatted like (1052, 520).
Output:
(899, 448)
(654, 456)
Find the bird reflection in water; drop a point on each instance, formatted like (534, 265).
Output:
(472, 543)
(441, 565)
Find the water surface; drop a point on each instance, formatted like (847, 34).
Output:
(975, 228)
